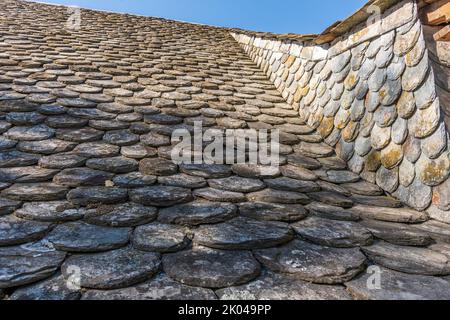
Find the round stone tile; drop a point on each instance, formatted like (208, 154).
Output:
(160, 196)
(159, 288)
(15, 231)
(273, 212)
(333, 233)
(27, 264)
(242, 233)
(157, 237)
(83, 237)
(197, 213)
(210, 268)
(121, 215)
(53, 211)
(55, 288)
(314, 263)
(112, 270)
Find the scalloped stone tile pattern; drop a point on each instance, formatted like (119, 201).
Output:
(86, 178)
(369, 95)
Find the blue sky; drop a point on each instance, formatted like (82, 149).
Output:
(287, 16)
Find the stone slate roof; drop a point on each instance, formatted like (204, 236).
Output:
(88, 186)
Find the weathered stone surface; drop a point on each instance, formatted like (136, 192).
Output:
(433, 172)
(242, 233)
(332, 233)
(440, 215)
(157, 167)
(115, 165)
(113, 269)
(85, 196)
(13, 158)
(53, 211)
(313, 263)
(96, 150)
(85, 134)
(289, 184)
(160, 196)
(207, 171)
(26, 174)
(55, 288)
(15, 231)
(157, 237)
(400, 286)
(417, 195)
(280, 197)
(122, 215)
(315, 150)
(211, 268)
(391, 156)
(332, 198)
(388, 179)
(62, 161)
(341, 176)
(83, 237)
(274, 286)
(36, 133)
(196, 213)
(363, 188)
(159, 288)
(255, 171)
(212, 194)
(183, 181)
(8, 206)
(138, 151)
(377, 201)
(35, 192)
(46, 147)
(121, 138)
(414, 76)
(237, 184)
(155, 140)
(82, 177)
(297, 159)
(396, 233)
(27, 264)
(380, 137)
(298, 173)
(331, 212)
(272, 212)
(400, 215)
(133, 180)
(437, 230)
(425, 121)
(411, 260)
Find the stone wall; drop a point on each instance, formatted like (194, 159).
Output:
(371, 94)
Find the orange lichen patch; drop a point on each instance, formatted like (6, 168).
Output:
(290, 61)
(434, 172)
(341, 119)
(391, 156)
(351, 80)
(326, 126)
(298, 95)
(413, 57)
(373, 161)
(350, 132)
(357, 36)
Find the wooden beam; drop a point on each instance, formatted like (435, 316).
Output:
(436, 13)
(443, 34)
